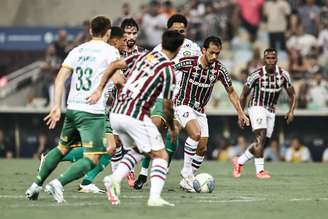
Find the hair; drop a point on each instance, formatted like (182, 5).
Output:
(129, 22)
(212, 39)
(100, 25)
(177, 18)
(172, 40)
(116, 32)
(270, 50)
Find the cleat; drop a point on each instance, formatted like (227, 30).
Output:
(158, 202)
(263, 175)
(32, 193)
(91, 188)
(55, 189)
(131, 179)
(186, 184)
(113, 190)
(140, 182)
(237, 168)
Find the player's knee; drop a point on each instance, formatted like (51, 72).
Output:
(195, 135)
(201, 150)
(93, 157)
(63, 150)
(161, 154)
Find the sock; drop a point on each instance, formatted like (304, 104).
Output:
(170, 147)
(126, 165)
(47, 165)
(246, 156)
(74, 154)
(158, 176)
(76, 171)
(91, 175)
(117, 157)
(189, 152)
(259, 164)
(197, 162)
(144, 166)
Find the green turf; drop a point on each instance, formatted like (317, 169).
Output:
(295, 191)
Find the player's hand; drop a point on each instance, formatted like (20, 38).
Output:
(289, 117)
(110, 150)
(53, 117)
(94, 97)
(243, 120)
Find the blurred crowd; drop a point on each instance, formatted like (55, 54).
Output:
(298, 29)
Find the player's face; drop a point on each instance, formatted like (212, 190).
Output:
(212, 53)
(130, 34)
(179, 27)
(270, 60)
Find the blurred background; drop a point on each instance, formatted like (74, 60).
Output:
(36, 35)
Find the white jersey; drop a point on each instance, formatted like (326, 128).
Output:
(88, 62)
(188, 48)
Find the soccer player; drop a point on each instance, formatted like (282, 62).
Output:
(83, 122)
(151, 74)
(199, 74)
(177, 23)
(265, 84)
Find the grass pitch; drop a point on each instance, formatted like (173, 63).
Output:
(295, 191)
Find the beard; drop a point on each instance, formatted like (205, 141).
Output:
(130, 43)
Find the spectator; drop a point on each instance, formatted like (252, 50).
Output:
(297, 152)
(126, 13)
(297, 67)
(223, 152)
(309, 13)
(154, 23)
(255, 62)
(6, 150)
(277, 12)
(61, 45)
(168, 10)
(239, 148)
(84, 35)
(325, 156)
(274, 152)
(42, 146)
(317, 96)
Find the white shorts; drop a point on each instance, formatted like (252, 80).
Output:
(133, 132)
(261, 118)
(185, 113)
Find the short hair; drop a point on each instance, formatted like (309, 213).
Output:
(177, 18)
(100, 25)
(129, 22)
(270, 50)
(212, 39)
(116, 32)
(172, 40)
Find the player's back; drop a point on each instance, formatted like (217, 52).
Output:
(88, 62)
(150, 73)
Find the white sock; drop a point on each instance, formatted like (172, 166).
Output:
(259, 164)
(197, 162)
(126, 165)
(246, 156)
(144, 171)
(189, 152)
(116, 158)
(157, 177)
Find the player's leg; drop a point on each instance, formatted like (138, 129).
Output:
(118, 154)
(75, 154)
(69, 136)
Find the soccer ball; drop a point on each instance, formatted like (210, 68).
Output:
(204, 182)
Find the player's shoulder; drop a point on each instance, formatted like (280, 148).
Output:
(187, 61)
(256, 73)
(158, 47)
(190, 43)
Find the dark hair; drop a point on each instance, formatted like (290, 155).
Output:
(100, 25)
(270, 50)
(177, 18)
(212, 39)
(172, 40)
(129, 22)
(116, 32)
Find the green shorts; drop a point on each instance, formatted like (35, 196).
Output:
(157, 110)
(108, 127)
(86, 128)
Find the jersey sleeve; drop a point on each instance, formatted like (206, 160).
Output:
(169, 82)
(113, 55)
(70, 60)
(287, 79)
(252, 79)
(224, 77)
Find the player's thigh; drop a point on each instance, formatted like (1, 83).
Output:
(271, 117)
(157, 114)
(69, 136)
(119, 124)
(258, 117)
(187, 119)
(91, 128)
(203, 125)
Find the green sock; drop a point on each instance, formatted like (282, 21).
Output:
(47, 165)
(103, 162)
(76, 171)
(170, 147)
(74, 155)
(145, 162)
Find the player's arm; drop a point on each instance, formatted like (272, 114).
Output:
(53, 117)
(292, 102)
(109, 72)
(244, 96)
